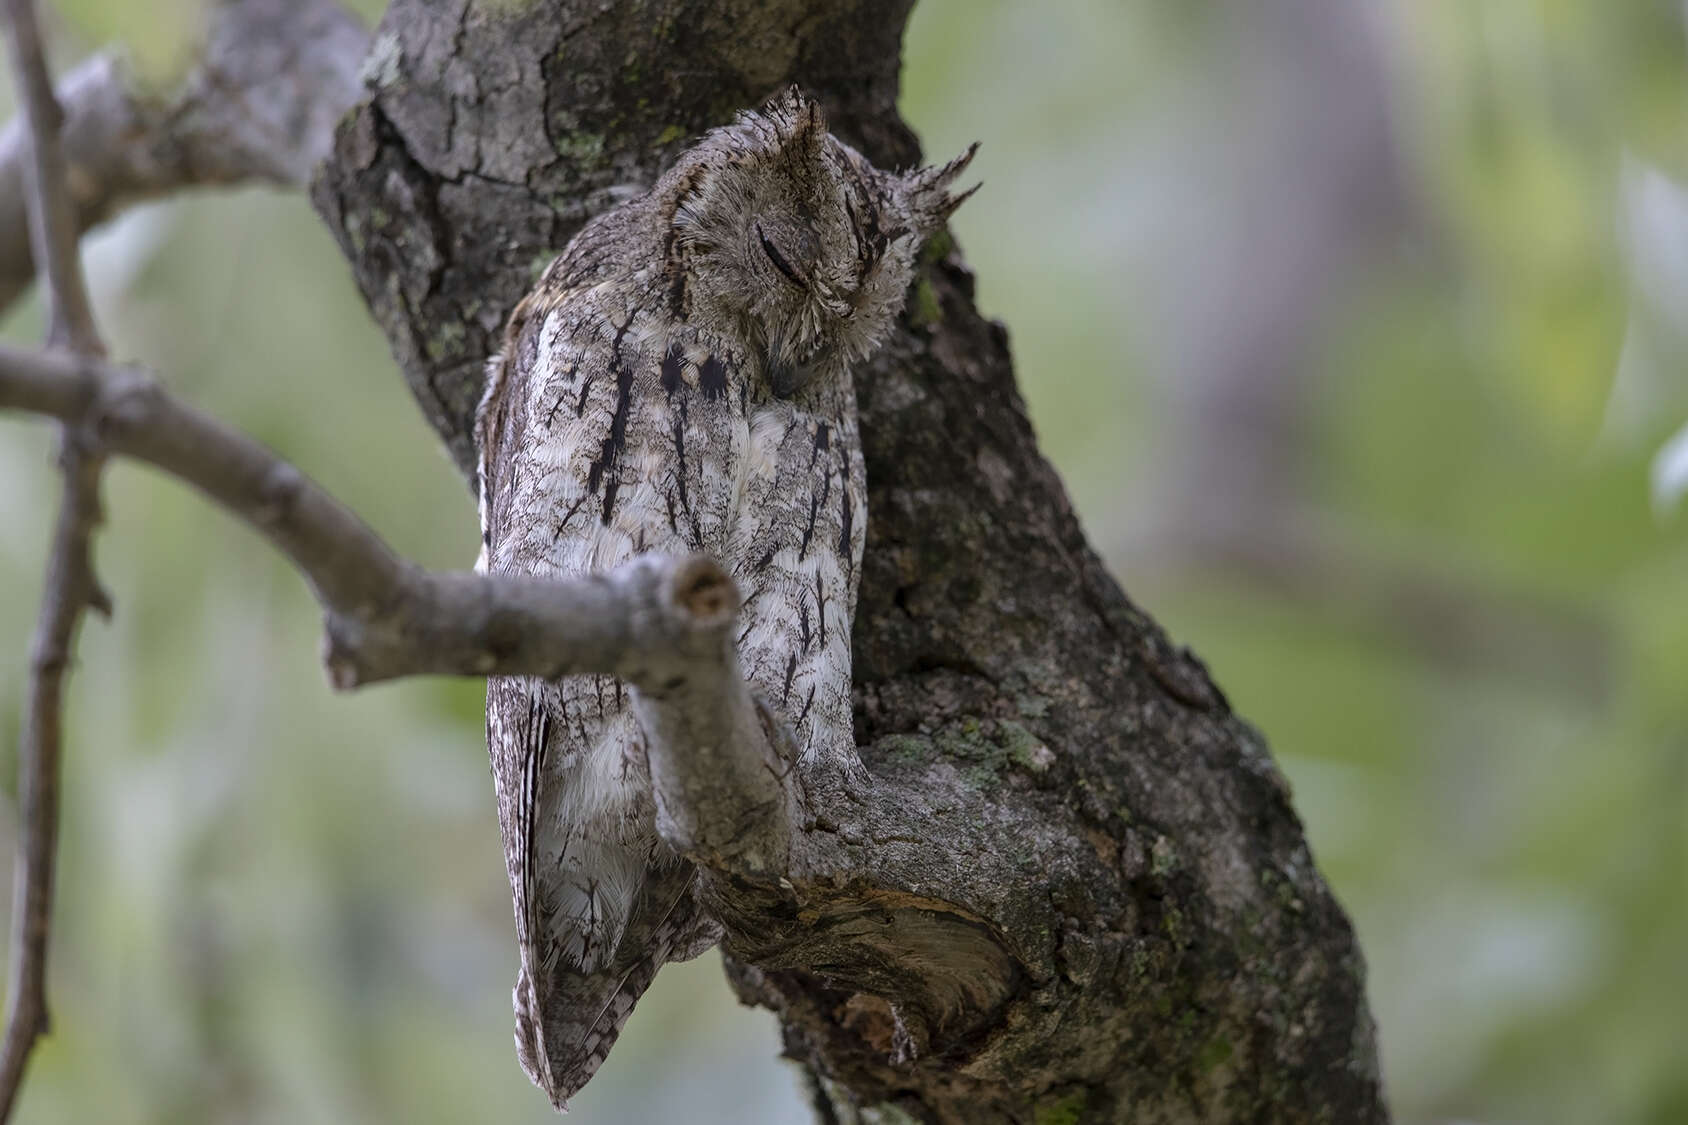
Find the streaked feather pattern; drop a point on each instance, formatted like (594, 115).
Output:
(678, 381)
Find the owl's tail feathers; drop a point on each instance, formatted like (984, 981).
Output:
(567, 1020)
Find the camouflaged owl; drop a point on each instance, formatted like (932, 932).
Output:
(679, 382)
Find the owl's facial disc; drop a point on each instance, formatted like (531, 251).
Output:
(816, 335)
(795, 245)
(802, 307)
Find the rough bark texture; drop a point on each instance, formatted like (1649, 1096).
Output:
(1075, 889)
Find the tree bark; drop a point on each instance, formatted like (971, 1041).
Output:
(1075, 888)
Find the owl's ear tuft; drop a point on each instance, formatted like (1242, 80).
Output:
(799, 124)
(927, 192)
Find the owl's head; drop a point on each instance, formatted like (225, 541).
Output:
(788, 236)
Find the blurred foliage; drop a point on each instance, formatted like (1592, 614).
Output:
(278, 904)
(159, 37)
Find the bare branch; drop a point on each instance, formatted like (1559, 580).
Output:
(259, 106)
(661, 624)
(386, 618)
(724, 792)
(71, 587)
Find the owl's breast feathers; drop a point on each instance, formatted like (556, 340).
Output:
(630, 411)
(607, 433)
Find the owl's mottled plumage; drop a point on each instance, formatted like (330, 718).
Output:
(678, 382)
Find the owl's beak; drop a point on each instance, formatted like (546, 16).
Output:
(841, 303)
(789, 378)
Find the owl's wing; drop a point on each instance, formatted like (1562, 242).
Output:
(585, 462)
(567, 1020)
(582, 963)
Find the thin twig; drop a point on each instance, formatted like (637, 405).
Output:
(71, 587)
(52, 222)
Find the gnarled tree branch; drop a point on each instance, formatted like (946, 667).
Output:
(259, 106)
(1072, 887)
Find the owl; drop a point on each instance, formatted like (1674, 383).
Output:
(678, 381)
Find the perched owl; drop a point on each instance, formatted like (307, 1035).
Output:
(679, 382)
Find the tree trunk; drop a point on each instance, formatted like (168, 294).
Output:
(1076, 890)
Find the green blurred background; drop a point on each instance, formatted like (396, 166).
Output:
(1357, 330)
